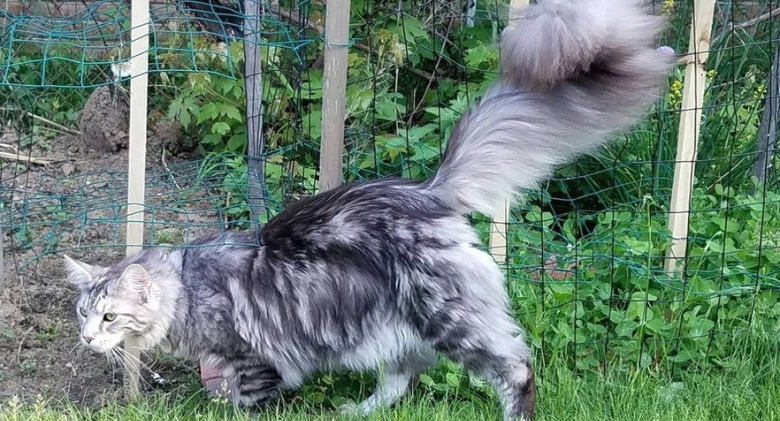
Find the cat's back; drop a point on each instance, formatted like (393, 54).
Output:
(209, 260)
(390, 214)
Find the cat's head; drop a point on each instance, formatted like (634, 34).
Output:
(119, 301)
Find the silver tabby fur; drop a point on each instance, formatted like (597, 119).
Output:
(386, 275)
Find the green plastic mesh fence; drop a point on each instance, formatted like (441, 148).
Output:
(586, 250)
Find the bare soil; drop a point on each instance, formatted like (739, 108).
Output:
(39, 347)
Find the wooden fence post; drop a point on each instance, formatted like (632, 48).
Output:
(136, 175)
(334, 92)
(687, 138)
(767, 128)
(253, 81)
(2, 262)
(498, 230)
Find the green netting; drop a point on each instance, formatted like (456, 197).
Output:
(586, 251)
(36, 51)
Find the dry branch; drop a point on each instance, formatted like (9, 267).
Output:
(24, 158)
(53, 124)
(730, 28)
(46, 121)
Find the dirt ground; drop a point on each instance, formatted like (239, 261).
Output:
(39, 348)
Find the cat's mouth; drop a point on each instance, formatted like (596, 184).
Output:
(103, 343)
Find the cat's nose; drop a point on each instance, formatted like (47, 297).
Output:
(88, 339)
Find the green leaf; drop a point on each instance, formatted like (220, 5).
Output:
(207, 112)
(443, 113)
(211, 139)
(419, 132)
(317, 397)
(220, 128)
(237, 143)
(452, 379)
(655, 324)
(423, 153)
(312, 88)
(410, 31)
(477, 381)
(312, 124)
(388, 110)
(231, 112)
(482, 57)
(625, 329)
(183, 108)
(683, 356)
(427, 380)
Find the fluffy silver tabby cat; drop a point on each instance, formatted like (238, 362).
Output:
(388, 274)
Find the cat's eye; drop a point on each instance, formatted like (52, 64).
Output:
(109, 317)
(83, 312)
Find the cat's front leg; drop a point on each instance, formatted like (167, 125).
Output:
(252, 383)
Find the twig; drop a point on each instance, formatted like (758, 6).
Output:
(295, 18)
(53, 124)
(19, 349)
(730, 28)
(418, 107)
(28, 159)
(751, 22)
(168, 170)
(47, 121)
(422, 73)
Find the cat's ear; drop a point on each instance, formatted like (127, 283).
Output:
(136, 282)
(80, 273)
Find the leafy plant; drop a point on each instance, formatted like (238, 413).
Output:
(605, 297)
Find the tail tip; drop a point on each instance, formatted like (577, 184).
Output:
(557, 40)
(666, 50)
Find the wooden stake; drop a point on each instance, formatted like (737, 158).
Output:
(136, 175)
(690, 123)
(499, 226)
(253, 77)
(767, 128)
(334, 91)
(2, 262)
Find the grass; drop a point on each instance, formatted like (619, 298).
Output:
(743, 391)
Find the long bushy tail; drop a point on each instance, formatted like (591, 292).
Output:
(574, 74)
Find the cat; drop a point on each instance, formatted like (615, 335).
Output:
(388, 275)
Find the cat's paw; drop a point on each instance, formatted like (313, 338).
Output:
(217, 388)
(352, 409)
(255, 413)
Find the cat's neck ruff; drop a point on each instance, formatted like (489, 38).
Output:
(167, 289)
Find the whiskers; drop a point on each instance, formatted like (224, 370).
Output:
(76, 346)
(119, 356)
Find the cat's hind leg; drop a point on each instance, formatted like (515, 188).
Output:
(252, 383)
(394, 380)
(487, 344)
(468, 320)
